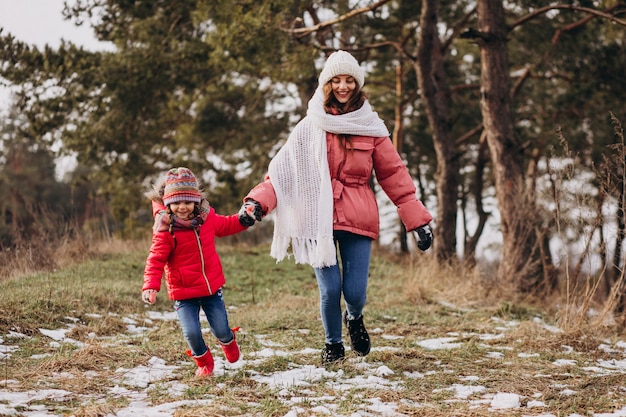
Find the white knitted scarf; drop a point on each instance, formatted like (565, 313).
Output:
(301, 179)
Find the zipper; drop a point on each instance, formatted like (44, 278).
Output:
(206, 279)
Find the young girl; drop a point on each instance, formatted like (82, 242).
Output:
(319, 185)
(183, 247)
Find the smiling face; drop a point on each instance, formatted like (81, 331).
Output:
(183, 209)
(343, 86)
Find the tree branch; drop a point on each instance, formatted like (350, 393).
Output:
(445, 44)
(468, 135)
(545, 9)
(520, 81)
(575, 25)
(321, 25)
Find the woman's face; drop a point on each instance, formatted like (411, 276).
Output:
(343, 87)
(183, 209)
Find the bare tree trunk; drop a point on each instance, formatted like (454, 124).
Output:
(433, 85)
(617, 266)
(619, 238)
(471, 242)
(550, 274)
(398, 127)
(608, 273)
(396, 137)
(520, 257)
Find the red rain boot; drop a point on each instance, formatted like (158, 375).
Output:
(231, 349)
(204, 362)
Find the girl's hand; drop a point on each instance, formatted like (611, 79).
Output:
(149, 296)
(249, 213)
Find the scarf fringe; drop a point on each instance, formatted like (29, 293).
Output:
(318, 253)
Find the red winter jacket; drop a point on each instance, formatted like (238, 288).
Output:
(189, 259)
(355, 208)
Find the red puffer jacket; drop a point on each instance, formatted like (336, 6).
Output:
(355, 206)
(189, 259)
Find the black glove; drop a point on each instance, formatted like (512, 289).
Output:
(424, 237)
(250, 212)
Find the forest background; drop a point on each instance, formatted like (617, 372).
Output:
(505, 113)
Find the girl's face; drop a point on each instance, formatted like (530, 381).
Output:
(343, 87)
(183, 209)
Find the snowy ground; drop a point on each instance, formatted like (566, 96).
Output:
(293, 386)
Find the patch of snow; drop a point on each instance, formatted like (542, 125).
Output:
(141, 376)
(564, 362)
(465, 391)
(505, 400)
(440, 343)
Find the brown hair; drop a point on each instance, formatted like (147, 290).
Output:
(333, 106)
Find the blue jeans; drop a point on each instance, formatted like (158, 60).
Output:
(189, 316)
(354, 251)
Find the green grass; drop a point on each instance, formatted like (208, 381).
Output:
(280, 303)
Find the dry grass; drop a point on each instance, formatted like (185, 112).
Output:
(411, 298)
(47, 254)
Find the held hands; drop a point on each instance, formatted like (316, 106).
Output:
(249, 213)
(424, 237)
(149, 296)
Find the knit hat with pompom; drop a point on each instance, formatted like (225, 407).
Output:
(342, 63)
(181, 185)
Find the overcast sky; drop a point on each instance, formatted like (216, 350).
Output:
(40, 22)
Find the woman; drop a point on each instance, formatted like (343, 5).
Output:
(319, 184)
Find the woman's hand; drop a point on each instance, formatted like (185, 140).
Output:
(424, 237)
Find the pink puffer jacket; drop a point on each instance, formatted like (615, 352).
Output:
(355, 207)
(189, 259)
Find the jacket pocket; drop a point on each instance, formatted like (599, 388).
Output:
(359, 163)
(174, 278)
(362, 145)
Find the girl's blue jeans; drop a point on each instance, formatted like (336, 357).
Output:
(350, 280)
(189, 317)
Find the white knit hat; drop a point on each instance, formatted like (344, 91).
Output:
(342, 63)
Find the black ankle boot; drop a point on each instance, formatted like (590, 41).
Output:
(359, 339)
(333, 352)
